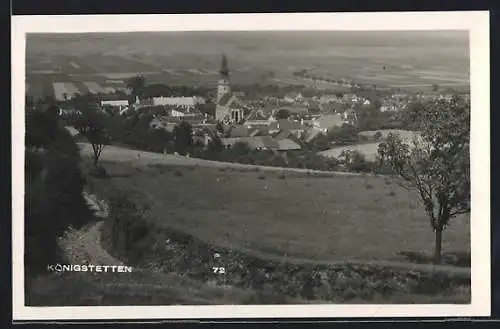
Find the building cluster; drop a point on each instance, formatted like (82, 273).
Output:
(270, 122)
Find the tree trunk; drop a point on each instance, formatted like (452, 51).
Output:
(438, 246)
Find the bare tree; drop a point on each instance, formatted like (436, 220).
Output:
(91, 125)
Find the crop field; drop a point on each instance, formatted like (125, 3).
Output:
(401, 59)
(63, 90)
(327, 219)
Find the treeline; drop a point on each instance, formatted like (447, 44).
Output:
(53, 188)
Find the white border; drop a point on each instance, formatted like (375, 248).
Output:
(476, 22)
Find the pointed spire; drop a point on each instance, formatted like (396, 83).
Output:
(224, 71)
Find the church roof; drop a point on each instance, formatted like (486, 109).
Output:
(234, 104)
(224, 100)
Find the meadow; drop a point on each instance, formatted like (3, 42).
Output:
(283, 237)
(370, 150)
(296, 216)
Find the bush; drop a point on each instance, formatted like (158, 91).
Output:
(99, 172)
(53, 189)
(127, 224)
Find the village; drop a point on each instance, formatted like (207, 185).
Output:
(270, 122)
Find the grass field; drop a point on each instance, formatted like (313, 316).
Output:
(321, 219)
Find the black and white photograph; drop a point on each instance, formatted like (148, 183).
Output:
(253, 165)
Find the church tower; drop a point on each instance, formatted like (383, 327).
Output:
(223, 85)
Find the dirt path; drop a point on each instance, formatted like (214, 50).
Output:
(84, 246)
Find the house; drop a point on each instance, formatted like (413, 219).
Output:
(312, 133)
(294, 127)
(294, 97)
(258, 131)
(326, 122)
(283, 134)
(239, 131)
(287, 145)
(68, 111)
(329, 108)
(258, 118)
(294, 109)
(329, 99)
(180, 112)
(121, 103)
(184, 102)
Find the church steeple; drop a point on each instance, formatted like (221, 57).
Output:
(224, 70)
(223, 87)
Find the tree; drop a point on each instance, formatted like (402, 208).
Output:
(183, 137)
(92, 126)
(219, 127)
(137, 84)
(282, 114)
(215, 145)
(435, 87)
(346, 134)
(437, 165)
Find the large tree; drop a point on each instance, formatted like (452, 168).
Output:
(183, 137)
(437, 165)
(137, 84)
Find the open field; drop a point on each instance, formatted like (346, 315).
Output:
(370, 150)
(398, 59)
(321, 219)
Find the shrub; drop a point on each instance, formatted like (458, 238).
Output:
(99, 172)
(53, 189)
(127, 224)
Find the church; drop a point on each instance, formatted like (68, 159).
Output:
(228, 107)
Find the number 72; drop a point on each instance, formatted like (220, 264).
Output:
(219, 270)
